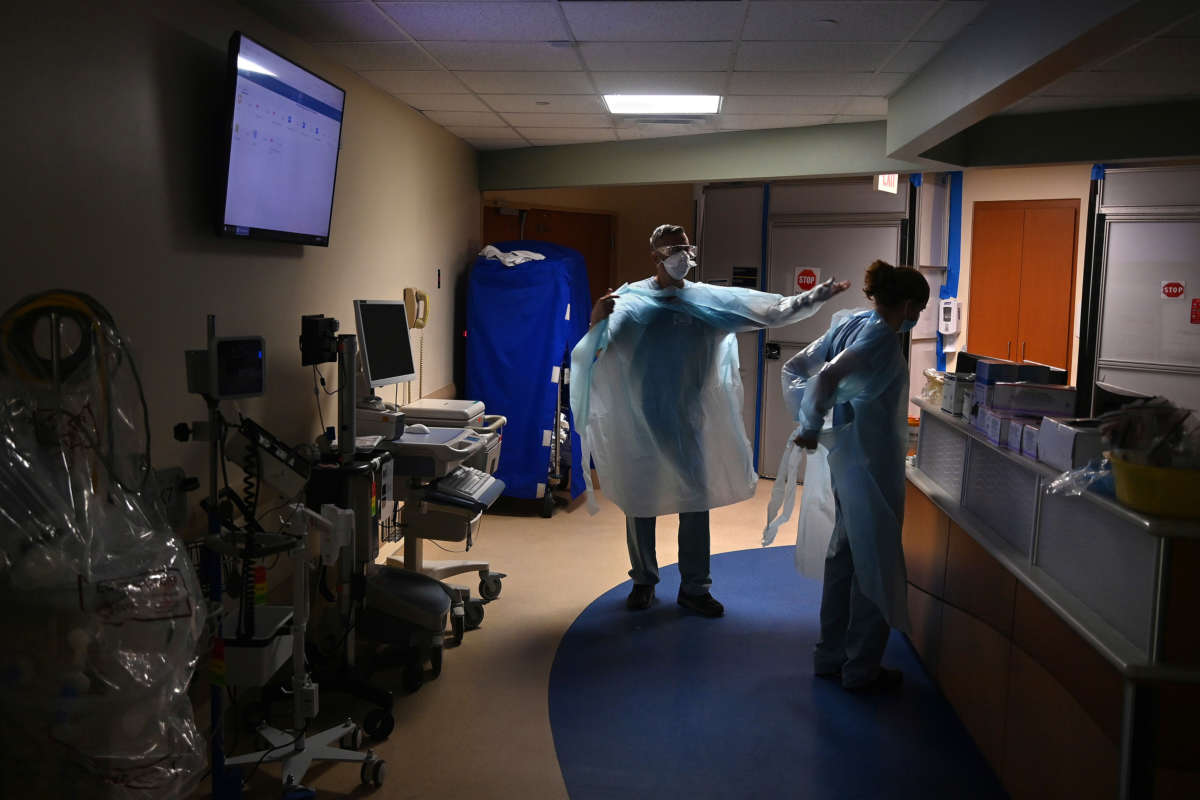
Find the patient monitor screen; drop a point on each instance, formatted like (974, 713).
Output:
(383, 341)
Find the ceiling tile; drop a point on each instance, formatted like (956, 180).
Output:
(798, 83)
(949, 21)
(541, 137)
(487, 22)
(654, 21)
(783, 104)
(443, 102)
(332, 22)
(483, 119)
(496, 144)
(546, 103)
(741, 122)
(834, 22)
(660, 57)
(477, 132)
(659, 82)
(884, 84)
(658, 131)
(414, 82)
(812, 56)
(385, 55)
(529, 121)
(873, 106)
(913, 56)
(527, 82)
(1157, 55)
(504, 56)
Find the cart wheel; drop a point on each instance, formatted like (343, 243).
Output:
(474, 614)
(435, 662)
(414, 671)
(378, 772)
(547, 504)
(490, 586)
(352, 740)
(378, 724)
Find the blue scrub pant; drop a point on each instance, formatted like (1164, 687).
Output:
(693, 551)
(853, 630)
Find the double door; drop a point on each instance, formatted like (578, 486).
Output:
(1022, 280)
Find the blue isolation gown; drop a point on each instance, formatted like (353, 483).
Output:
(857, 372)
(657, 397)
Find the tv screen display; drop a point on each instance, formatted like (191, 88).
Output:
(285, 124)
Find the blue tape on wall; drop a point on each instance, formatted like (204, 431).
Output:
(953, 253)
(1098, 172)
(915, 179)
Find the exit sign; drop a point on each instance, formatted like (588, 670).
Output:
(889, 182)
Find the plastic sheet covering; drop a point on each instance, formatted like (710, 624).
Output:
(1094, 476)
(658, 399)
(102, 609)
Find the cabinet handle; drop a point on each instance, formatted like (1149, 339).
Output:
(1023, 351)
(1008, 352)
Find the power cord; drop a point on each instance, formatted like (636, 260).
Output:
(266, 753)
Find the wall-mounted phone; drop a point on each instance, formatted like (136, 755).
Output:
(416, 308)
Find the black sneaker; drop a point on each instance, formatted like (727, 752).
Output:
(887, 680)
(640, 597)
(703, 604)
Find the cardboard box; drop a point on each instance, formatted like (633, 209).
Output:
(996, 424)
(1030, 399)
(957, 389)
(1029, 440)
(994, 370)
(1016, 427)
(1068, 443)
(1034, 373)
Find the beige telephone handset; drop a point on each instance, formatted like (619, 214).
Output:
(416, 308)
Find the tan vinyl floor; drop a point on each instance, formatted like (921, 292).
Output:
(482, 730)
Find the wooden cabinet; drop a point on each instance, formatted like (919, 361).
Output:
(1022, 280)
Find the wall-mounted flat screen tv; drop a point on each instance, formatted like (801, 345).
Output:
(285, 124)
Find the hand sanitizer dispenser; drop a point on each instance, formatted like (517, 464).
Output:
(948, 316)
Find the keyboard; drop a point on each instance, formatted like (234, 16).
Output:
(466, 482)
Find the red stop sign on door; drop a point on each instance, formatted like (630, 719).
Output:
(805, 280)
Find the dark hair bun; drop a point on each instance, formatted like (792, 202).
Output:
(892, 286)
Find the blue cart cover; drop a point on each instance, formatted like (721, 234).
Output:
(522, 322)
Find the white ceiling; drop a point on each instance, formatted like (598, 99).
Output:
(514, 74)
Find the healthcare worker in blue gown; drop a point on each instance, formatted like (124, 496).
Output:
(657, 399)
(857, 371)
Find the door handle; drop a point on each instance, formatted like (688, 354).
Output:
(772, 351)
(1008, 352)
(1023, 351)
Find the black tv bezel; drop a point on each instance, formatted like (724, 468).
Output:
(266, 234)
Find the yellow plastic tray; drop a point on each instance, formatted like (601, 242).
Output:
(1157, 490)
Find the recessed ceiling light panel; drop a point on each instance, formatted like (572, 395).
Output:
(663, 103)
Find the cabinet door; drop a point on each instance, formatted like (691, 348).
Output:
(1047, 283)
(995, 279)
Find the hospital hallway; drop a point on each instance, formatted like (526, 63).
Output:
(483, 729)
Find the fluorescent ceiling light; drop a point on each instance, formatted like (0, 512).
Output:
(246, 65)
(663, 103)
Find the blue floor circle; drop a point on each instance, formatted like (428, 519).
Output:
(663, 703)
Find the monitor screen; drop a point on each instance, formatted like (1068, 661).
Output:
(284, 126)
(383, 342)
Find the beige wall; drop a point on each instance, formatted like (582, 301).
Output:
(1024, 183)
(639, 210)
(112, 163)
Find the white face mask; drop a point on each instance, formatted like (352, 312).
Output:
(677, 265)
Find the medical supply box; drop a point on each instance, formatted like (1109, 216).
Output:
(996, 370)
(957, 392)
(1029, 399)
(1029, 440)
(995, 424)
(1068, 443)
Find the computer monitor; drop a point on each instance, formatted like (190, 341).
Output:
(383, 342)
